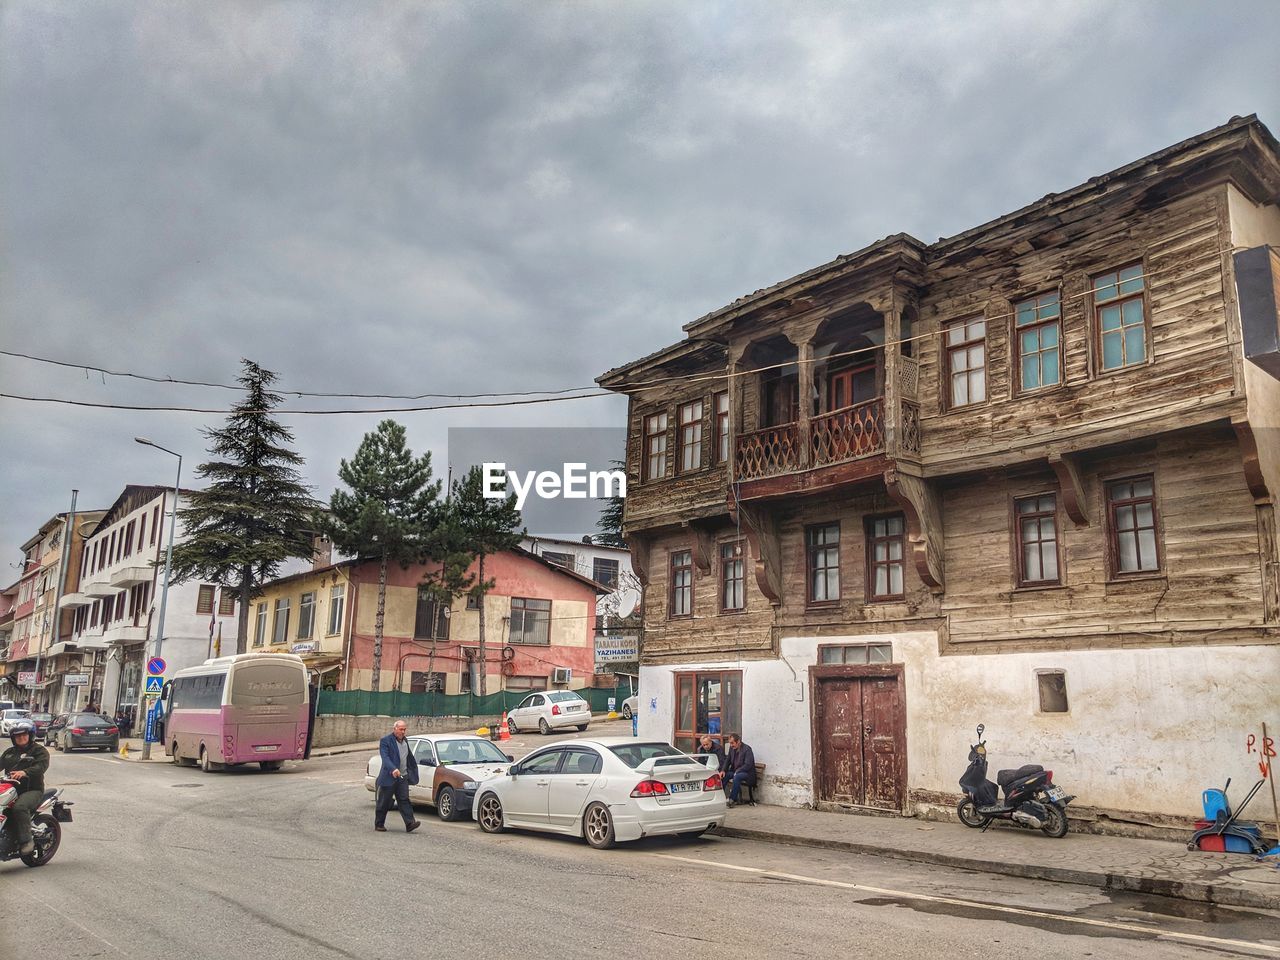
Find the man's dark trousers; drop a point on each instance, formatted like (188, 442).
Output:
(739, 778)
(399, 792)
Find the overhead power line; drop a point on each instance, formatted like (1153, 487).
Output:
(308, 413)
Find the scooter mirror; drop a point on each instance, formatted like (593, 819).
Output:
(980, 729)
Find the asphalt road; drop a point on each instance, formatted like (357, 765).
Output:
(164, 862)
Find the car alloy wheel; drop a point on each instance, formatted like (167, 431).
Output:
(446, 805)
(597, 826)
(489, 814)
(511, 727)
(626, 711)
(543, 727)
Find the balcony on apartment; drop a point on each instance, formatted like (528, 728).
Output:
(834, 408)
(76, 599)
(130, 575)
(122, 632)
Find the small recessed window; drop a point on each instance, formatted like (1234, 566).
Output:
(1053, 691)
(856, 653)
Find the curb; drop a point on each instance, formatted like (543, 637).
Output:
(1196, 891)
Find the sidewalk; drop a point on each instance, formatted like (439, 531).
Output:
(1113, 863)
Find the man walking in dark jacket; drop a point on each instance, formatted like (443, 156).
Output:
(26, 762)
(399, 770)
(740, 767)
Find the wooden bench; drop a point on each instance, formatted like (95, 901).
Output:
(749, 794)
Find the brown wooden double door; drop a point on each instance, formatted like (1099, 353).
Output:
(859, 730)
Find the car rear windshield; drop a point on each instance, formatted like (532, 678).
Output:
(634, 754)
(560, 696)
(15, 714)
(91, 720)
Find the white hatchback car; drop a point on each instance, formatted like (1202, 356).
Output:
(606, 790)
(549, 710)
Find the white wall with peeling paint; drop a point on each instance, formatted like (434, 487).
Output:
(1146, 730)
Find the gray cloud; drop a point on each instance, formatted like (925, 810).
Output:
(458, 197)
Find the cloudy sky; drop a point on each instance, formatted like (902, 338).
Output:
(409, 198)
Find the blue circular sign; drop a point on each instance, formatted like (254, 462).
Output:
(155, 667)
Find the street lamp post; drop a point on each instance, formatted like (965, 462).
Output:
(168, 561)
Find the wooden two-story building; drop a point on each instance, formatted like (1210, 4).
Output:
(1024, 476)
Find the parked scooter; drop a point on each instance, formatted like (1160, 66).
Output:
(46, 825)
(1030, 798)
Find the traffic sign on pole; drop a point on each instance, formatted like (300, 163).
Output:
(155, 667)
(155, 685)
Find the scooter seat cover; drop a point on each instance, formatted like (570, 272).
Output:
(1006, 777)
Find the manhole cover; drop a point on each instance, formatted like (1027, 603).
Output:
(179, 786)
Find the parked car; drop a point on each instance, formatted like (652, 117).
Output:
(42, 721)
(74, 731)
(631, 706)
(10, 717)
(450, 769)
(607, 790)
(549, 710)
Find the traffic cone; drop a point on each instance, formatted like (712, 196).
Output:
(504, 732)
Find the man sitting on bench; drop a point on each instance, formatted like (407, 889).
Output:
(740, 767)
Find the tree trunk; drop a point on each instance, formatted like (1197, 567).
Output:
(377, 622)
(246, 595)
(481, 652)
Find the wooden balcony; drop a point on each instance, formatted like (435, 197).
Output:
(847, 434)
(833, 448)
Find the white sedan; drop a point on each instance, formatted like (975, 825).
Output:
(631, 706)
(606, 790)
(450, 769)
(549, 710)
(9, 719)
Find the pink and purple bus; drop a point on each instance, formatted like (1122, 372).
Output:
(249, 708)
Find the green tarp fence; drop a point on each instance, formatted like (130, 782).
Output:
(389, 703)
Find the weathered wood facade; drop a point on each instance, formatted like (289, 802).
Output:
(917, 384)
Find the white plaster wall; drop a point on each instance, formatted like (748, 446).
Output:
(1147, 729)
(1251, 225)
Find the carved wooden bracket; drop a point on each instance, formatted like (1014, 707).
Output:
(704, 548)
(761, 530)
(639, 558)
(1253, 476)
(1066, 468)
(923, 510)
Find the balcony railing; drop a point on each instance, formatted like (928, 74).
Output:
(836, 437)
(773, 450)
(847, 434)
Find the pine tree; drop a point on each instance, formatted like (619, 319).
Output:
(611, 516)
(255, 512)
(486, 526)
(389, 512)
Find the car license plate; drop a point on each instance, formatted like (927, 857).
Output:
(267, 748)
(688, 787)
(1056, 793)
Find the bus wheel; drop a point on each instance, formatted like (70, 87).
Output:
(207, 765)
(174, 756)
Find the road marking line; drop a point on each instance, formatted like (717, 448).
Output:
(106, 759)
(78, 924)
(995, 908)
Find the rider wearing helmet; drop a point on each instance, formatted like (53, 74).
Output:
(25, 762)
